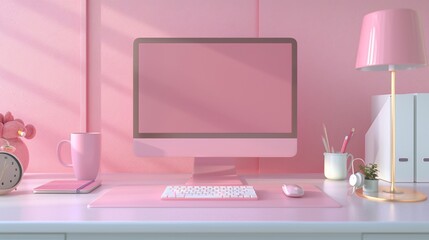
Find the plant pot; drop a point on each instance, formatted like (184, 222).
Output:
(370, 186)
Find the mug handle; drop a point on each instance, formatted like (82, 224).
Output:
(59, 146)
(351, 162)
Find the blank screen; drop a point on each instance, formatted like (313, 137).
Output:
(215, 87)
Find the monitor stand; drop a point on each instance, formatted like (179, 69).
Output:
(212, 171)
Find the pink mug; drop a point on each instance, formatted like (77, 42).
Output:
(85, 154)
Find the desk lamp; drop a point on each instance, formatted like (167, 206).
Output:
(391, 40)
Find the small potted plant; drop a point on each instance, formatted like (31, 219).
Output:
(371, 177)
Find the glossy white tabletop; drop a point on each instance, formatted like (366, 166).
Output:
(23, 211)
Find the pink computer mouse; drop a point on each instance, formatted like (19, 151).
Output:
(293, 190)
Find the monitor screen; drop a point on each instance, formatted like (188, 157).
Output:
(224, 88)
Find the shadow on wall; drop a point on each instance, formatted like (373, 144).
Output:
(40, 70)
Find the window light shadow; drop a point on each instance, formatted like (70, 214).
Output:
(32, 86)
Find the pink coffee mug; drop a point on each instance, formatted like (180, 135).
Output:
(85, 154)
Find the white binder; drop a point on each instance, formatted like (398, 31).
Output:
(377, 139)
(422, 137)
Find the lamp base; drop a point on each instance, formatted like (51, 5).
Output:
(400, 195)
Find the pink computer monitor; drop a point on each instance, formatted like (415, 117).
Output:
(215, 97)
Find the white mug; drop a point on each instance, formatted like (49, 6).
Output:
(335, 167)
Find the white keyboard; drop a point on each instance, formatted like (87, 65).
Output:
(209, 193)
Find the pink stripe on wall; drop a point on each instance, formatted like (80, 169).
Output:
(84, 66)
(257, 18)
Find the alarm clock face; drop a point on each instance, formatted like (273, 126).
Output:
(10, 172)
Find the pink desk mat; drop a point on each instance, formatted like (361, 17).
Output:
(270, 196)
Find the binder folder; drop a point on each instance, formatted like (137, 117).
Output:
(412, 137)
(377, 139)
(422, 137)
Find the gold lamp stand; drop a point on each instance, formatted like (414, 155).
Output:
(393, 194)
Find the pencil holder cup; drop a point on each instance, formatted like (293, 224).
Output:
(335, 165)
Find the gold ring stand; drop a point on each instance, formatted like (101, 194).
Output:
(393, 194)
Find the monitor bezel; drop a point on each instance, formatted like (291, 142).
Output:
(137, 134)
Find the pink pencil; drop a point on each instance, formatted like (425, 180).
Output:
(347, 140)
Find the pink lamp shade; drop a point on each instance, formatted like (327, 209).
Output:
(391, 40)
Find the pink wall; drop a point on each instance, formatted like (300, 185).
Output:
(114, 25)
(40, 72)
(330, 90)
(39, 69)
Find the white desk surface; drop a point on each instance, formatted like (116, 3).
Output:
(25, 212)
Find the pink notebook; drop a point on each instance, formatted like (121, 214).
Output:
(68, 186)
